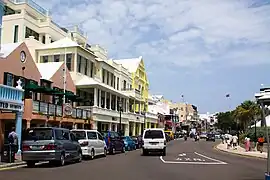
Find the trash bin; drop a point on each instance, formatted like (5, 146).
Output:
(8, 154)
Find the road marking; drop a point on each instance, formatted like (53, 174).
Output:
(183, 154)
(210, 158)
(195, 160)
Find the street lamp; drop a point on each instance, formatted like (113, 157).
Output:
(120, 118)
(144, 120)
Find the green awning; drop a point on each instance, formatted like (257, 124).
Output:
(39, 89)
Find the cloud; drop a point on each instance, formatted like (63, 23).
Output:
(185, 33)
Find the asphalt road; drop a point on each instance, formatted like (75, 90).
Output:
(187, 160)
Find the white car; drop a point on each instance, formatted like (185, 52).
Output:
(91, 141)
(154, 140)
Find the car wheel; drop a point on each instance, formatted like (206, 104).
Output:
(92, 154)
(105, 152)
(30, 164)
(164, 152)
(62, 160)
(128, 148)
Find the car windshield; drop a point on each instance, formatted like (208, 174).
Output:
(153, 134)
(80, 134)
(39, 134)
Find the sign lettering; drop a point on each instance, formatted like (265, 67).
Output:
(11, 106)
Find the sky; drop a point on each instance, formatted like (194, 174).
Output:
(202, 49)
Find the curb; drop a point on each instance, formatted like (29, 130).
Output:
(238, 154)
(8, 165)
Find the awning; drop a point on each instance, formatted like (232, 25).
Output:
(39, 89)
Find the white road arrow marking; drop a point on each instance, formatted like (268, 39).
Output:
(179, 159)
(183, 154)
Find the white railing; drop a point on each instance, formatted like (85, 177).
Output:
(11, 93)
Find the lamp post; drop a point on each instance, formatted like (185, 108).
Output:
(120, 117)
(144, 120)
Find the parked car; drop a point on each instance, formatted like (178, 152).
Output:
(138, 141)
(56, 145)
(210, 137)
(129, 143)
(154, 140)
(114, 142)
(203, 135)
(92, 142)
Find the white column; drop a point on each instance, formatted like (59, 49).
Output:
(95, 96)
(47, 39)
(94, 125)
(115, 128)
(133, 129)
(134, 106)
(127, 105)
(105, 102)
(110, 107)
(126, 129)
(140, 128)
(99, 98)
(110, 126)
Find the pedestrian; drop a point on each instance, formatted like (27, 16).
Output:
(13, 140)
(228, 139)
(260, 143)
(234, 141)
(247, 143)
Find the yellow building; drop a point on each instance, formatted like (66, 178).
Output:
(140, 83)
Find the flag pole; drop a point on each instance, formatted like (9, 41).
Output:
(65, 76)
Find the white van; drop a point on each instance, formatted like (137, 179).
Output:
(91, 141)
(154, 140)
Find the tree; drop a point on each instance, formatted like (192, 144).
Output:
(246, 113)
(225, 121)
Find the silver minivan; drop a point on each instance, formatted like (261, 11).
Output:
(56, 145)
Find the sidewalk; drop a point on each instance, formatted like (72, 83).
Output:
(241, 151)
(17, 162)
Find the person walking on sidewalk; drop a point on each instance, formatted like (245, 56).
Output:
(260, 144)
(247, 143)
(234, 141)
(13, 140)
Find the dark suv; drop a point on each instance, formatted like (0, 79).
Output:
(210, 137)
(114, 142)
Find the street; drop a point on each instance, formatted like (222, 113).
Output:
(187, 160)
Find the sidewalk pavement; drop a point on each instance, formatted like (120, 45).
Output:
(241, 151)
(18, 162)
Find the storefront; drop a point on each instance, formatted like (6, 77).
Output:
(11, 102)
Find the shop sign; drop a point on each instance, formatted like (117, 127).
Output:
(67, 109)
(11, 106)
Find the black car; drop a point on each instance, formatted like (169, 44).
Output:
(138, 141)
(210, 137)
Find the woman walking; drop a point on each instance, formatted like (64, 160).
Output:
(247, 143)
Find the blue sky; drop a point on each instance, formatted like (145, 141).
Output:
(202, 49)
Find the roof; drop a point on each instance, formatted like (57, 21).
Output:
(62, 43)
(130, 64)
(7, 49)
(47, 70)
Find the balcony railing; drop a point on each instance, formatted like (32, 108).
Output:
(10, 93)
(132, 92)
(57, 110)
(32, 4)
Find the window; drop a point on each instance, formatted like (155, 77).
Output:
(92, 69)
(39, 134)
(124, 85)
(112, 79)
(100, 137)
(8, 79)
(59, 134)
(108, 78)
(43, 39)
(153, 134)
(45, 83)
(66, 135)
(29, 32)
(118, 83)
(56, 58)
(103, 75)
(92, 135)
(86, 67)
(79, 63)
(68, 61)
(79, 134)
(44, 59)
(16, 29)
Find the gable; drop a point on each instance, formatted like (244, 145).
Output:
(13, 65)
(58, 80)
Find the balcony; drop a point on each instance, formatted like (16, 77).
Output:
(8, 93)
(33, 5)
(133, 93)
(57, 110)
